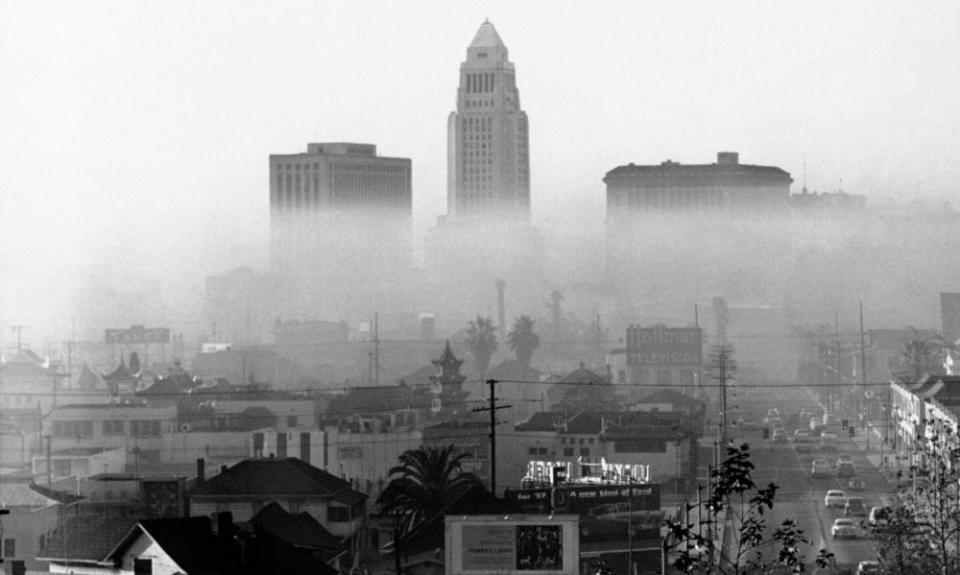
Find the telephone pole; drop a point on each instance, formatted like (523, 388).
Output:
(493, 432)
(725, 367)
(19, 329)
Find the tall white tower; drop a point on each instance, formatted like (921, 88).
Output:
(488, 166)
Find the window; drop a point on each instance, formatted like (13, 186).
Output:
(585, 451)
(337, 513)
(542, 451)
(145, 428)
(533, 451)
(113, 427)
(78, 429)
(568, 452)
(142, 567)
(590, 441)
(9, 547)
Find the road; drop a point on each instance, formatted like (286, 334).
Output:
(800, 496)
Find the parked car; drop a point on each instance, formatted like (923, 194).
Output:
(855, 506)
(828, 441)
(846, 469)
(779, 435)
(820, 468)
(868, 567)
(845, 528)
(844, 459)
(835, 498)
(857, 484)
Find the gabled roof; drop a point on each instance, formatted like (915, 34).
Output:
(85, 539)
(299, 530)
(275, 477)
(486, 37)
(189, 541)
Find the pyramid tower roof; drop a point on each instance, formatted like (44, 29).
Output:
(487, 37)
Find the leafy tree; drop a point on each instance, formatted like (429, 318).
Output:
(523, 342)
(425, 481)
(482, 342)
(902, 546)
(734, 491)
(928, 526)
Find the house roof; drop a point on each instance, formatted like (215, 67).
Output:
(669, 396)
(88, 378)
(299, 529)
(85, 539)
(122, 373)
(274, 477)
(21, 493)
(189, 541)
(542, 421)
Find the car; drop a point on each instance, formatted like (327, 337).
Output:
(816, 424)
(855, 506)
(878, 514)
(846, 469)
(779, 435)
(748, 424)
(844, 528)
(828, 441)
(857, 484)
(844, 459)
(773, 421)
(820, 468)
(868, 567)
(835, 498)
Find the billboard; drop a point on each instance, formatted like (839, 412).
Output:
(512, 544)
(584, 498)
(664, 346)
(137, 334)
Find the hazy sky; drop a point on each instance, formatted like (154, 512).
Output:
(139, 131)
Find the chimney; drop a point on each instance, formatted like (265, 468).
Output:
(201, 470)
(728, 158)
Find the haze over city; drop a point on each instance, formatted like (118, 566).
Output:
(135, 137)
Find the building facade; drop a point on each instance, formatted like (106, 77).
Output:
(488, 168)
(672, 186)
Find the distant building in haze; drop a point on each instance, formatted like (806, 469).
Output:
(674, 187)
(488, 167)
(340, 218)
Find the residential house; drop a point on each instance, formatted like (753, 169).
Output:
(35, 515)
(295, 485)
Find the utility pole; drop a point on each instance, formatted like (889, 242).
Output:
(493, 432)
(836, 337)
(376, 349)
(725, 366)
(865, 413)
(19, 329)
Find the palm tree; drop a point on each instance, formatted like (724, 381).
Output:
(426, 481)
(482, 342)
(523, 342)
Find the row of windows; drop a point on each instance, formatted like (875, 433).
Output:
(574, 440)
(481, 83)
(84, 429)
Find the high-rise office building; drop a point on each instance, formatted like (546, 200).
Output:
(488, 166)
(340, 224)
